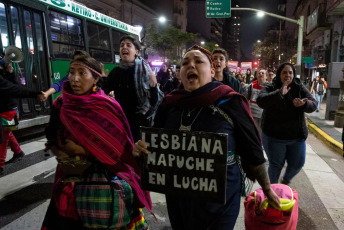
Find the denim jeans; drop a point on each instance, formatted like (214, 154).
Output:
(319, 99)
(279, 151)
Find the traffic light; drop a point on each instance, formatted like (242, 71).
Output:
(255, 64)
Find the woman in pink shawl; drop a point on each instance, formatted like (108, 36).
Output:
(87, 123)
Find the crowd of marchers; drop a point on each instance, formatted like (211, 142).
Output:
(95, 126)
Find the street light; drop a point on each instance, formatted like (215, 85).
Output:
(162, 19)
(260, 14)
(300, 35)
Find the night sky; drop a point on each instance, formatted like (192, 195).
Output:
(252, 27)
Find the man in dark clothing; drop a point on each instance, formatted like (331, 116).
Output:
(135, 87)
(8, 106)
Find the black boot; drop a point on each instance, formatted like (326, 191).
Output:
(15, 158)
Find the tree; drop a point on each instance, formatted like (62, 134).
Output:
(268, 50)
(168, 40)
(209, 46)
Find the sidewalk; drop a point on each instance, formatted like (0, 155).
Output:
(325, 130)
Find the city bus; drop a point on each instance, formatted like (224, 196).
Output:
(48, 32)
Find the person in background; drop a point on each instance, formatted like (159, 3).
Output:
(85, 122)
(163, 75)
(319, 87)
(57, 86)
(135, 86)
(270, 75)
(221, 71)
(255, 75)
(251, 92)
(9, 90)
(178, 77)
(248, 77)
(239, 77)
(314, 83)
(192, 108)
(173, 83)
(284, 128)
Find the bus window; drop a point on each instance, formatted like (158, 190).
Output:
(15, 25)
(28, 28)
(66, 34)
(42, 57)
(99, 42)
(3, 28)
(18, 43)
(116, 35)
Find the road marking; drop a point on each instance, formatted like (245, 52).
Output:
(29, 148)
(25, 177)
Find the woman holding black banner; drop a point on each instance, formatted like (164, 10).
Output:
(209, 106)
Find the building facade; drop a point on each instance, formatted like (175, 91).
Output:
(209, 29)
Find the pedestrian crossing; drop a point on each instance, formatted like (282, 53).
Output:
(25, 189)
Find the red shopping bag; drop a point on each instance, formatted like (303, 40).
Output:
(260, 215)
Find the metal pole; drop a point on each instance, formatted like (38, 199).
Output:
(279, 43)
(299, 47)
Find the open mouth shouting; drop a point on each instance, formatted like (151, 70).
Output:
(192, 77)
(125, 53)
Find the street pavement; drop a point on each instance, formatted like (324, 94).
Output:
(25, 187)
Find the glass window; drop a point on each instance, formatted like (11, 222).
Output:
(42, 60)
(3, 27)
(98, 36)
(21, 66)
(99, 42)
(66, 34)
(28, 28)
(101, 55)
(15, 24)
(116, 35)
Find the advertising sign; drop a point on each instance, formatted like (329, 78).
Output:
(245, 66)
(233, 66)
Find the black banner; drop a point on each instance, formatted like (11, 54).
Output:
(185, 163)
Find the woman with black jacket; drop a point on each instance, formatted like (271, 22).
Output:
(284, 128)
(9, 90)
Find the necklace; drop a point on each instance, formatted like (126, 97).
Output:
(189, 113)
(188, 127)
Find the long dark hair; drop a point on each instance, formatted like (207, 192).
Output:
(277, 79)
(280, 68)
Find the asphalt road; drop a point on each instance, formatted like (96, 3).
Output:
(25, 189)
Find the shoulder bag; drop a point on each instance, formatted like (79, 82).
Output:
(103, 200)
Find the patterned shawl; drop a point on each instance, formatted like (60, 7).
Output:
(98, 124)
(142, 81)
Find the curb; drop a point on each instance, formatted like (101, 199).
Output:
(325, 138)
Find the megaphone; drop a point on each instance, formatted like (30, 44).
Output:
(13, 54)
